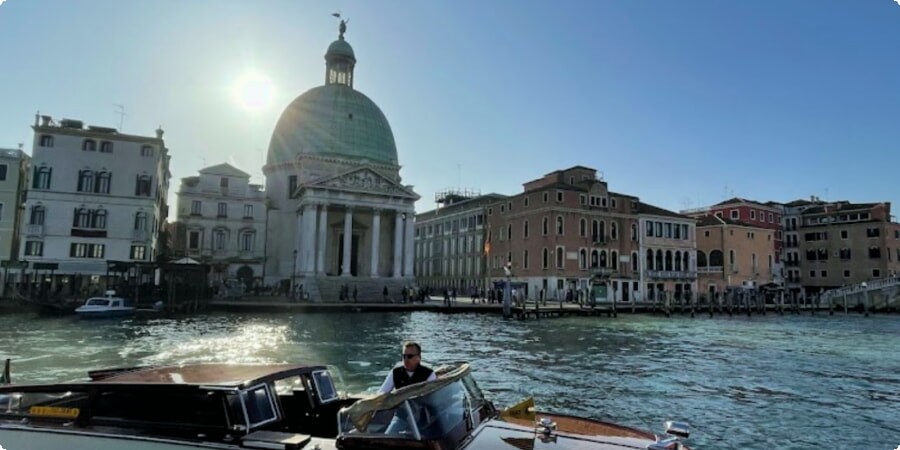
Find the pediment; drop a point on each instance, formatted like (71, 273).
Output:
(365, 181)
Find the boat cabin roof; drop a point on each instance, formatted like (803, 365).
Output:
(225, 375)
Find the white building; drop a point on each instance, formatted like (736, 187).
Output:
(94, 195)
(668, 252)
(13, 166)
(222, 218)
(341, 215)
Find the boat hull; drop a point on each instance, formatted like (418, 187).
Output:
(106, 313)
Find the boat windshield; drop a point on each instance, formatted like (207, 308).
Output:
(429, 416)
(97, 302)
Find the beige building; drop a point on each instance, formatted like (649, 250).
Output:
(13, 175)
(732, 253)
(847, 243)
(562, 232)
(450, 242)
(668, 243)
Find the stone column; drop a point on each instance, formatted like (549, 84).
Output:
(308, 248)
(409, 245)
(298, 236)
(322, 247)
(348, 242)
(398, 242)
(376, 239)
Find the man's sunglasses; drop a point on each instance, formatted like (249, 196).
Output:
(410, 355)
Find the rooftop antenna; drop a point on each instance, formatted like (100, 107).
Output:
(459, 176)
(120, 110)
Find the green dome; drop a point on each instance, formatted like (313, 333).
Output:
(340, 47)
(333, 120)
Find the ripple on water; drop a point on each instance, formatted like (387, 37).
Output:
(757, 383)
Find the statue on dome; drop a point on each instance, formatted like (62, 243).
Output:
(342, 28)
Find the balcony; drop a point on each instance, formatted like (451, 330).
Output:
(140, 235)
(711, 269)
(602, 271)
(672, 274)
(34, 230)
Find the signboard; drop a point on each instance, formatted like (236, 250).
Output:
(45, 266)
(13, 264)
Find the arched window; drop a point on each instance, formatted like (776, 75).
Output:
(89, 145)
(509, 231)
(595, 259)
(634, 262)
(582, 227)
(147, 151)
(686, 263)
(525, 229)
(603, 262)
(545, 258)
(220, 236)
(46, 141)
(668, 260)
(42, 177)
(634, 232)
(732, 258)
(659, 260)
(86, 181)
(99, 219)
(595, 230)
(753, 262)
(677, 260)
(546, 226)
(701, 258)
(140, 221)
(106, 147)
(560, 257)
(37, 215)
(560, 226)
(103, 182)
(650, 265)
(582, 257)
(614, 230)
(82, 218)
(144, 186)
(716, 259)
(614, 260)
(602, 231)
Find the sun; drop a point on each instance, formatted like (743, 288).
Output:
(253, 91)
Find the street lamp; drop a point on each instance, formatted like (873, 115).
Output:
(293, 273)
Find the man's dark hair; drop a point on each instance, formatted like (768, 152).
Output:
(415, 344)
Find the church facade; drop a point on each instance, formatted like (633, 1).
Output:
(339, 217)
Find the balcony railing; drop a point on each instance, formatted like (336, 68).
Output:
(671, 274)
(711, 269)
(34, 230)
(139, 235)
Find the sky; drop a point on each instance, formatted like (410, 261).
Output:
(681, 103)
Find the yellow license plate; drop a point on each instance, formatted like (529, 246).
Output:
(53, 411)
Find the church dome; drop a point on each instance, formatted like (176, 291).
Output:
(334, 119)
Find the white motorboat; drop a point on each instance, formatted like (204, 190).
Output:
(109, 306)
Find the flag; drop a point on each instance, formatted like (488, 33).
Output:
(338, 15)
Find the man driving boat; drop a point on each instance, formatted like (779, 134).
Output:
(410, 372)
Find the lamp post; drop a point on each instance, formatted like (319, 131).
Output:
(507, 290)
(293, 274)
(865, 298)
(266, 241)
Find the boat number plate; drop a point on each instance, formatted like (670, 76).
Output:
(53, 411)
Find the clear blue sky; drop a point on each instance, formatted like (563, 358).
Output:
(671, 100)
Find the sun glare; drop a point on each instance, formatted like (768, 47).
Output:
(253, 91)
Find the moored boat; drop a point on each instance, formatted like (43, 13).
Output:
(226, 406)
(109, 306)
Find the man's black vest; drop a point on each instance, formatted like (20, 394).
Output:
(402, 379)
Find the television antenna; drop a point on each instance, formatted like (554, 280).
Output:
(120, 110)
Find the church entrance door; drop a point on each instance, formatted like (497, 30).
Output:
(354, 254)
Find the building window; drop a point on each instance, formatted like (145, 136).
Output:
(560, 257)
(147, 151)
(98, 219)
(525, 259)
(634, 232)
(634, 262)
(546, 197)
(525, 202)
(194, 240)
(81, 250)
(34, 248)
(582, 227)
(559, 196)
(138, 252)
(140, 221)
(490, 211)
(502, 209)
(812, 273)
(649, 225)
(845, 254)
(874, 252)
(824, 274)
(509, 231)
(102, 184)
(46, 141)
(89, 145)
(292, 186)
(735, 214)
(219, 239)
(582, 199)
(752, 214)
(222, 210)
(525, 229)
(603, 202)
(37, 215)
(545, 258)
(86, 181)
(42, 177)
(873, 232)
(560, 225)
(3, 169)
(876, 273)
(614, 231)
(106, 147)
(143, 186)
(545, 229)
(247, 241)
(82, 218)
(248, 212)
(846, 273)
(613, 202)
(195, 207)
(771, 218)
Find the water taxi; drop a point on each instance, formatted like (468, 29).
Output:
(109, 306)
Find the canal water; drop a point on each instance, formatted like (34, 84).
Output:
(769, 382)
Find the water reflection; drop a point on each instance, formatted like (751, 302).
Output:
(759, 383)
